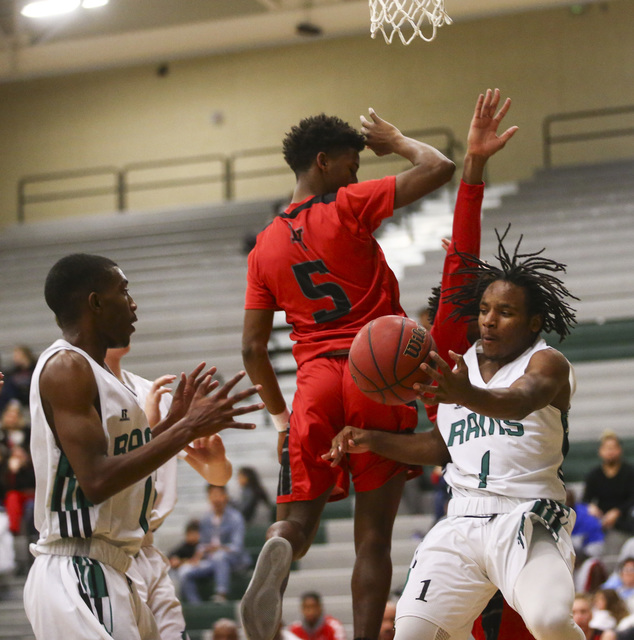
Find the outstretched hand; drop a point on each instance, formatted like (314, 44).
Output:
(153, 401)
(348, 440)
(483, 139)
(207, 415)
(448, 386)
(187, 386)
(380, 136)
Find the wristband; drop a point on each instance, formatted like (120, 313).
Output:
(281, 421)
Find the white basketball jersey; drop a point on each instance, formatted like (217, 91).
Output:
(61, 509)
(166, 475)
(513, 458)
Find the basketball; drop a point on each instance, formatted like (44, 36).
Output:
(385, 357)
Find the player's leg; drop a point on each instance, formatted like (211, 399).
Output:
(372, 575)
(544, 591)
(287, 539)
(68, 598)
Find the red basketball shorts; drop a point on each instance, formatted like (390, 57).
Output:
(326, 400)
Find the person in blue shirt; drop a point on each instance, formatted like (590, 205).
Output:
(221, 549)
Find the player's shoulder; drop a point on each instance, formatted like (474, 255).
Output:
(67, 373)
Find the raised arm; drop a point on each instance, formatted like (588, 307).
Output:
(69, 396)
(482, 143)
(431, 168)
(258, 324)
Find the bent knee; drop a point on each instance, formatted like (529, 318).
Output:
(413, 628)
(549, 625)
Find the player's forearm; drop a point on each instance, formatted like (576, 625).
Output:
(107, 475)
(414, 448)
(503, 404)
(473, 168)
(260, 370)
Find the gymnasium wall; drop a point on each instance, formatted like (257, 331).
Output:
(547, 61)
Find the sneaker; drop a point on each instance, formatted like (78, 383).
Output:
(261, 606)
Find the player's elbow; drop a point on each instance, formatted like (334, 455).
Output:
(445, 170)
(253, 351)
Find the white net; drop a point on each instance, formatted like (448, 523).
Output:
(407, 18)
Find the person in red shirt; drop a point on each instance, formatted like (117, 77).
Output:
(319, 262)
(315, 624)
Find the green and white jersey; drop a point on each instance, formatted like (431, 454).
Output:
(511, 458)
(61, 509)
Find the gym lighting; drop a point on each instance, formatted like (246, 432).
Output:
(46, 8)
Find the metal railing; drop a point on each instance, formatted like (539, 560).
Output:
(549, 139)
(228, 171)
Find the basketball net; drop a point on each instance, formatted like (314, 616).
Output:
(407, 18)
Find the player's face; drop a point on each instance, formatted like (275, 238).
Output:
(506, 329)
(118, 311)
(341, 169)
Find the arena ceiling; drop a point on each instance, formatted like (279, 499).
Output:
(127, 32)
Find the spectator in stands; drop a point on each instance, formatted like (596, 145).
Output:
(186, 551)
(18, 378)
(20, 491)
(14, 426)
(224, 629)
(587, 534)
(608, 609)
(609, 492)
(582, 615)
(315, 624)
(623, 582)
(252, 494)
(220, 551)
(387, 624)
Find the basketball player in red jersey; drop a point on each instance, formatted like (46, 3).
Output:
(319, 262)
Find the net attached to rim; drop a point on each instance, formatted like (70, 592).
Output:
(407, 18)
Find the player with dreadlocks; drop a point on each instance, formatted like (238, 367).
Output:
(502, 431)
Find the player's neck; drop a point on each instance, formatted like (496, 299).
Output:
(79, 339)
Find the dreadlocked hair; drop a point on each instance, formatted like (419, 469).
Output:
(432, 303)
(545, 292)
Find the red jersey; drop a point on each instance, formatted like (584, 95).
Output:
(451, 333)
(321, 265)
(328, 628)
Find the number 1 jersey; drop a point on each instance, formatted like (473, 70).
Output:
(319, 263)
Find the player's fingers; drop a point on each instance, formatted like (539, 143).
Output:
(441, 365)
(478, 108)
(238, 411)
(503, 110)
(495, 100)
(486, 103)
(374, 116)
(508, 134)
(230, 384)
(196, 372)
(246, 393)
(162, 380)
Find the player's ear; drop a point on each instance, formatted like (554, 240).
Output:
(321, 160)
(536, 323)
(94, 302)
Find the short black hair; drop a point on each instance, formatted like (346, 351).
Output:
(311, 595)
(71, 280)
(318, 133)
(545, 292)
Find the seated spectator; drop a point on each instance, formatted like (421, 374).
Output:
(608, 610)
(609, 492)
(587, 534)
(252, 495)
(14, 425)
(220, 551)
(623, 582)
(185, 551)
(224, 629)
(315, 625)
(18, 378)
(582, 615)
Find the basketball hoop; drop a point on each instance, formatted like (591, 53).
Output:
(407, 18)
